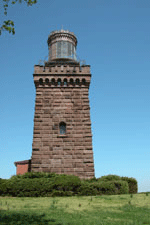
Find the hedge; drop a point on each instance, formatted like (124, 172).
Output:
(33, 175)
(46, 184)
(132, 182)
(87, 189)
(39, 186)
(109, 178)
(104, 188)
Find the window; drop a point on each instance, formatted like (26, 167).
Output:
(40, 81)
(46, 80)
(65, 82)
(53, 81)
(62, 128)
(77, 81)
(59, 82)
(65, 49)
(83, 81)
(71, 81)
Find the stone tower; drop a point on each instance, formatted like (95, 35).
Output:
(62, 138)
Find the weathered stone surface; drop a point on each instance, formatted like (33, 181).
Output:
(70, 153)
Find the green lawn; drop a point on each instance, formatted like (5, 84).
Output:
(113, 210)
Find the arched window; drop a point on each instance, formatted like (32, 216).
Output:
(77, 81)
(53, 81)
(47, 81)
(83, 81)
(71, 81)
(62, 128)
(40, 81)
(59, 82)
(65, 82)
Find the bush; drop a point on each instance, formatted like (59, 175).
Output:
(51, 184)
(86, 189)
(111, 187)
(103, 188)
(132, 182)
(109, 178)
(26, 187)
(121, 186)
(94, 179)
(67, 183)
(61, 193)
(3, 187)
(21, 186)
(32, 175)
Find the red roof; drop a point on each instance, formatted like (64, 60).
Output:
(22, 162)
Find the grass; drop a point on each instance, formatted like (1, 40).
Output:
(86, 210)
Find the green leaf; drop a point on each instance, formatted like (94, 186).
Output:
(9, 24)
(12, 23)
(13, 31)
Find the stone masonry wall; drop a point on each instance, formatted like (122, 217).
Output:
(72, 152)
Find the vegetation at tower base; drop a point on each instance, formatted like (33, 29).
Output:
(131, 181)
(50, 184)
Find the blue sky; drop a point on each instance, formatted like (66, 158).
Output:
(114, 38)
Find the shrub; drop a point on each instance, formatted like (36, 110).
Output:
(111, 187)
(32, 175)
(21, 186)
(86, 189)
(61, 193)
(26, 187)
(109, 178)
(121, 186)
(67, 183)
(3, 187)
(132, 182)
(94, 179)
(50, 184)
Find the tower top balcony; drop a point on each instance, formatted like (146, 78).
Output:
(62, 45)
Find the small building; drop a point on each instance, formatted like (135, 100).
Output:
(23, 166)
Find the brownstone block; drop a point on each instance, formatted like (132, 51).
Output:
(78, 169)
(90, 169)
(45, 156)
(88, 152)
(35, 165)
(88, 156)
(34, 156)
(67, 165)
(79, 165)
(71, 170)
(56, 161)
(90, 164)
(57, 156)
(56, 170)
(45, 161)
(78, 152)
(45, 165)
(47, 170)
